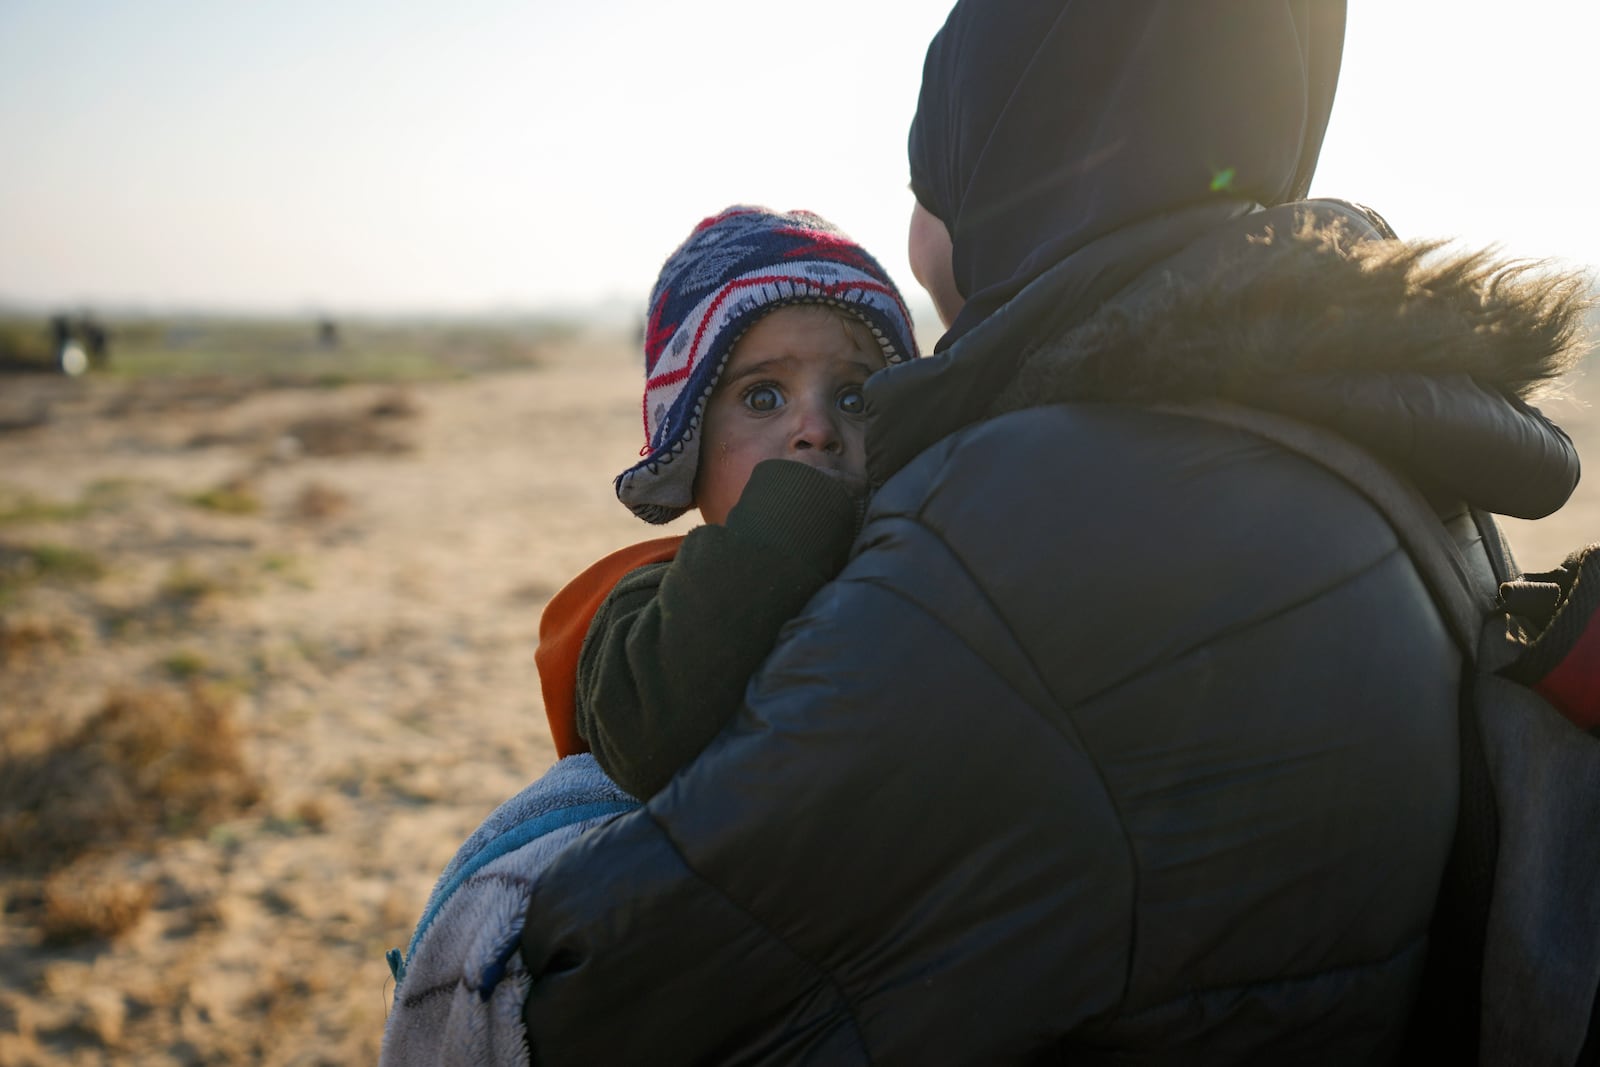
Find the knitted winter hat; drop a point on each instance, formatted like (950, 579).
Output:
(734, 268)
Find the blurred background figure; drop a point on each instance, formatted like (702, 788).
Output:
(96, 341)
(77, 346)
(327, 333)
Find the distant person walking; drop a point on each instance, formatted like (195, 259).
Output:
(96, 342)
(78, 346)
(60, 331)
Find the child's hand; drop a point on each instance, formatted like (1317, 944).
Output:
(801, 479)
(803, 510)
(855, 483)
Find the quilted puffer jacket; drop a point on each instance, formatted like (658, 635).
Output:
(1124, 737)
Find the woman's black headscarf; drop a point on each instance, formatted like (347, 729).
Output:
(1045, 124)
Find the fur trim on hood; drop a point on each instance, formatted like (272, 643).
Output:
(1421, 353)
(1313, 302)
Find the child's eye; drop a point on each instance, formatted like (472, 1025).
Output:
(763, 398)
(850, 401)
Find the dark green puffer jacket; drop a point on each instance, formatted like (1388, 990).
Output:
(1123, 737)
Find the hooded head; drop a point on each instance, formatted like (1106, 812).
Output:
(1044, 125)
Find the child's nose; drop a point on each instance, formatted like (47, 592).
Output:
(817, 429)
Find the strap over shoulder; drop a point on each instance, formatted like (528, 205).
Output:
(1461, 601)
(1514, 966)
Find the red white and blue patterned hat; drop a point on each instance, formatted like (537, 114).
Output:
(736, 267)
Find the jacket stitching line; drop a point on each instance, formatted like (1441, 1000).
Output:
(1066, 713)
(1245, 625)
(1357, 969)
(826, 975)
(1066, 719)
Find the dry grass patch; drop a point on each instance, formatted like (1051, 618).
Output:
(17, 420)
(83, 904)
(49, 561)
(285, 995)
(188, 586)
(21, 506)
(185, 664)
(23, 565)
(319, 502)
(238, 495)
(186, 595)
(151, 761)
(161, 396)
(396, 404)
(25, 638)
(307, 815)
(345, 435)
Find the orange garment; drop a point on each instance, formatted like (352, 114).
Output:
(565, 624)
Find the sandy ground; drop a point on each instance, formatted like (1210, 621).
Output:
(376, 649)
(382, 658)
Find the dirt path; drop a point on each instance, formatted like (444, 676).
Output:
(380, 648)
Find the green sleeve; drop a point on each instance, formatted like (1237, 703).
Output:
(669, 653)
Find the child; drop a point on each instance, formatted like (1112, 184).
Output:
(762, 329)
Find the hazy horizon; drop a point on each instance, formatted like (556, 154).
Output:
(501, 158)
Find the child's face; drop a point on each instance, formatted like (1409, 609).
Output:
(791, 390)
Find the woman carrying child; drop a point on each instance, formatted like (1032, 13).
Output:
(763, 329)
(1122, 736)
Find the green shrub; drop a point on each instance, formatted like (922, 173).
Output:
(185, 664)
(236, 496)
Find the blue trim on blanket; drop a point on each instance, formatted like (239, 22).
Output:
(508, 842)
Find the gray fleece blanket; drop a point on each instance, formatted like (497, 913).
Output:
(460, 986)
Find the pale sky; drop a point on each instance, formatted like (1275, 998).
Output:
(386, 155)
